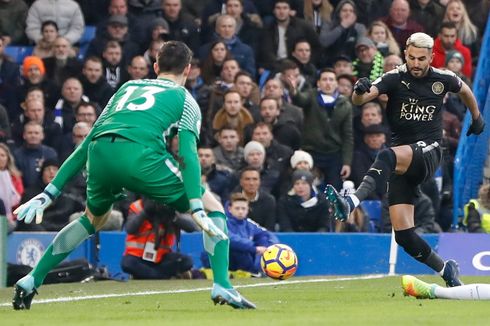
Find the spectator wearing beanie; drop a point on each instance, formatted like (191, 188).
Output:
(254, 155)
(34, 75)
(303, 209)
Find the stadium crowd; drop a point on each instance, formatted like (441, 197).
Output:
(276, 147)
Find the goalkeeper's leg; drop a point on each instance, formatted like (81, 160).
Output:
(67, 240)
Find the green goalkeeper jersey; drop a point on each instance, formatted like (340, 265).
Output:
(149, 112)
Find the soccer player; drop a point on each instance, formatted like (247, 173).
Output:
(421, 290)
(126, 148)
(416, 92)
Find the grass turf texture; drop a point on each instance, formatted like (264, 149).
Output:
(334, 302)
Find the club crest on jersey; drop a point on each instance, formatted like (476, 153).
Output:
(437, 88)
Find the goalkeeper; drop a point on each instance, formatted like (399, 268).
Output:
(127, 149)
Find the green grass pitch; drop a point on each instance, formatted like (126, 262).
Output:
(301, 301)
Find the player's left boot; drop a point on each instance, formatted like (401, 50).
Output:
(417, 288)
(340, 204)
(231, 297)
(24, 292)
(451, 273)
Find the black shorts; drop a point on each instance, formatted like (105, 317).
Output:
(404, 188)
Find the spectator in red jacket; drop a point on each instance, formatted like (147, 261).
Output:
(447, 40)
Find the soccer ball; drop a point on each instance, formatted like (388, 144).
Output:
(279, 262)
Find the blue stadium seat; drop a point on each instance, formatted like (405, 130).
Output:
(88, 34)
(18, 53)
(373, 209)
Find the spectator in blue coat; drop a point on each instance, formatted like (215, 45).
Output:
(248, 240)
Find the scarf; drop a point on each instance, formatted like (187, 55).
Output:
(327, 101)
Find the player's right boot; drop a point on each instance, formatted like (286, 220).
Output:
(24, 292)
(340, 205)
(417, 288)
(451, 273)
(231, 297)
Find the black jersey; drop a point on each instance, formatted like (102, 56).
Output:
(414, 108)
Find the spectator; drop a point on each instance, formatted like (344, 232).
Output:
(11, 186)
(455, 62)
(447, 40)
(159, 30)
(66, 13)
(327, 135)
(151, 235)
(383, 39)
(150, 56)
(94, 84)
(212, 65)
(71, 97)
(232, 114)
(228, 73)
(13, 15)
(399, 23)
(254, 155)
(371, 114)
(45, 46)
(79, 132)
(249, 25)
(138, 68)
(86, 112)
(248, 240)
(369, 62)
(35, 111)
(301, 55)
(200, 91)
(371, 10)
(117, 30)
(214, 8)
(226, 32)
(9, 80)
(31, 155)
(120, 8)
(228, 152)
(114, 70)
(427, 13)
(391, 62)
(274, 88)
(218, 177)
(182, 25)
(261, 203)
(373, 141)
(346, 84)
(284, 128)
(288, 69)
(318, 13)
(467, 31)
(476, 212)
(278, 38)
(343, 65)
(303, 209)
(340, 36)
(249, 92)
(56, 216)
(277, 155)
(34, 75)
(62, 64)
(5, 132)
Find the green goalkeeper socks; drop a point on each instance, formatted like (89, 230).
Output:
(220, 260)
(69, 238)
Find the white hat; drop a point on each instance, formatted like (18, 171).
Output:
(253, 146)
(299, 156)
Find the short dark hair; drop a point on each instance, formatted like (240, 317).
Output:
(266, 98)
(249, 168)
(261, 124)
(173, 57)
(324, 70)
(243, 73)
(84, 104)
(49, 23)
(237, 196)
(448, 25)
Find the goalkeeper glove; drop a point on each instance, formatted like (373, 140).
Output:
(476, 127)
(362, 86)
(204, 222)
(37, 205)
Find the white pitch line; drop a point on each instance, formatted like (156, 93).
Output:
(134, 294)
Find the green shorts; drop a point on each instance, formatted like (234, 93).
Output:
(115, 163)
